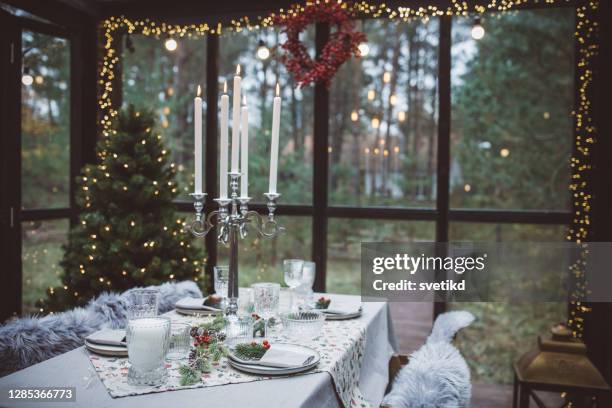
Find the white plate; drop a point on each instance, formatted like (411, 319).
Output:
(111, 351)
(194, 312)
(339, 316)
(263, 370)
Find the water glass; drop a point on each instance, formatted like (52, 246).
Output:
(292, 269)
(266, 298)
(245, 301)
(222, 283)
(147, 344)
(142, 303)
(304, 291)
(241, 330)
(180, 341)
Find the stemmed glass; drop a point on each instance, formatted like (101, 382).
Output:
(266, 297)
(308, 278)
(222, 283)
(293, 276)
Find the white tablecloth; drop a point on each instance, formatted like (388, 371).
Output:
(73, 369)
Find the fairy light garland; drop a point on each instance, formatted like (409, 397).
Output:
(585, 131)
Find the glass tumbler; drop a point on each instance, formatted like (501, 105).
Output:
(180, 341)
(266, 298)
(142, 303)
(147, 343)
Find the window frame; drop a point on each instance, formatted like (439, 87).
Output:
(321, 210)
(81, 138)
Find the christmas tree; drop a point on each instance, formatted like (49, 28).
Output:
(128, 233)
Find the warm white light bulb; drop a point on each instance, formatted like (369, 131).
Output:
(171, 44)
(364, 49)
(27, 79)
(478, 32)
(263, 52)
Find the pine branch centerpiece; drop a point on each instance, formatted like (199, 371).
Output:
(208, 349)
(251, 351)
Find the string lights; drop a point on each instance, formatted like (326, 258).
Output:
(586, 29)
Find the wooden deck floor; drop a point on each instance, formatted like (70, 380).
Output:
(412, 323)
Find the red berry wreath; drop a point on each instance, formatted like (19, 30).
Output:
(343, 42)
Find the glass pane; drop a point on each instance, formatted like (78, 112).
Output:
(344, 246)
(261, 259)
(41, 254)
(504, 331)
(383, 119)
(45, 121)
(164, 79)
(512, 101)
(201, 279)
(259, 80)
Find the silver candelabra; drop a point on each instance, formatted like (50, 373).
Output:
(233, 219)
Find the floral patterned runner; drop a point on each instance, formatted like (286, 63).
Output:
(341, 345)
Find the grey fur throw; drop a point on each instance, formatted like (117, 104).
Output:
(32, 339)
(436, 376)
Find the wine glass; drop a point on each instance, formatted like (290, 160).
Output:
(308, 278)
(293, 275)
(266, 297)
(222, 283)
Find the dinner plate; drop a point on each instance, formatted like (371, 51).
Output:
(196, 312)
(341, 316)
(107, 350)
(242, 365)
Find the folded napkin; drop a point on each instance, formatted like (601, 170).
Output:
(107, 337)
(194, 304)
(283, 358)
(342, 308)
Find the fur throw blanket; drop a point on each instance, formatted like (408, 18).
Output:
(436, 376)
(32, 339)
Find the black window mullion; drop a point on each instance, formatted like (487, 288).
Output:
(320, 168)
(212, 94)
(443, 158)
(10, 162)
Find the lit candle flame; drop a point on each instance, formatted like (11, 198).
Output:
(238, 69)
(224, 86)
(199, 91)
(277, 89)
(244, 100)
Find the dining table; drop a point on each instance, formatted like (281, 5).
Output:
(310, 389)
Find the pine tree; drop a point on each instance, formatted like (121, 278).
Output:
(128, 233)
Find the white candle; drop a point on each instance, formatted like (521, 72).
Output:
(236, 121)
(274, 145)
(146, 343)
(244, 149)
(197, 127)
(224, 142)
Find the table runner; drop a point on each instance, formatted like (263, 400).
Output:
(341, 345)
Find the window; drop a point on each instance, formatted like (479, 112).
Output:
(45, 160)
(512, 124)
(41, 255)
(344, 246)
(296, 134)
(45, 121)
(166, 81)
(383, 119)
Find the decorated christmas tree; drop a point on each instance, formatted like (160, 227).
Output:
(128, 233)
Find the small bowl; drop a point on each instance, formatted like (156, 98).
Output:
(303, 324)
